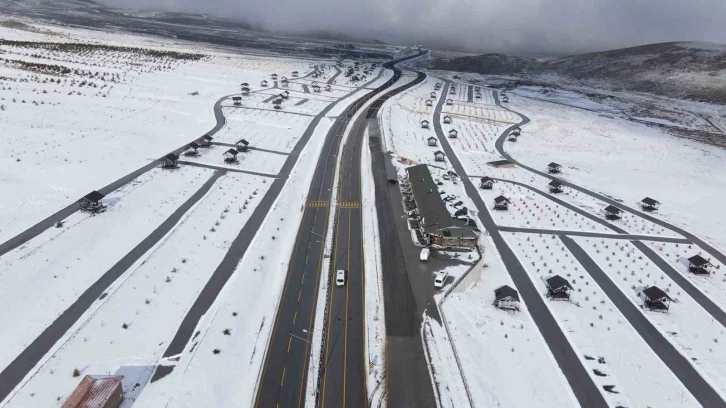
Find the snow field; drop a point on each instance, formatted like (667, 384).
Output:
(694, 333)
(629, 161)
(134, 323)
(714, 286)
(496, 346)
(612, 351)
(251, 160)
(477, 110)
(270, 130)
(246, 306)
(61, 263)
(449, 387)
(473, 136)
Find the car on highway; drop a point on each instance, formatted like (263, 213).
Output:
(440, 279)
(340, 276)
(424, 256)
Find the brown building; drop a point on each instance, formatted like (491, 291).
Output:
(96, 391)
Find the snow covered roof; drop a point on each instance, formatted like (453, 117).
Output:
(439, 152)
(94, 196)
(96, 392)
(554, 165)
(486, 179)
(557, 282)
(655, 293)
(505, 292)
(501, 199)
(650, 201)
(611, 209)
(698, 261)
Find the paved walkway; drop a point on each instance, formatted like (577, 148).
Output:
(630, 237)
(259, 149)
(229, 169)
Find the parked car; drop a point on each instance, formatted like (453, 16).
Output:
(340, 276)
(425, 253)
(440, 279)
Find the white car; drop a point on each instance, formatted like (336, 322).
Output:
(340, 276)
(425, 253)
(440, 279)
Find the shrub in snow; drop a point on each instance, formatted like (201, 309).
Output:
(76, 372)
(125, 326)
(216, 351)
(227, 332)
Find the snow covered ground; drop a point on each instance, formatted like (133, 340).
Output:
(693, 331)
(134, 323)
(597, 330)
(505, 360)
(628, 161)
(58, 265)
(265, 129)
(252, 160)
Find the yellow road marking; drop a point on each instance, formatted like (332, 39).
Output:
(330, 312)
(289, 342)
(299, 292)
(349, 204)
(345, 343)
(318, 204)
(282, 381)
(294, 318)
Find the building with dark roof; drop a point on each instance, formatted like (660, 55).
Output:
(699, 265)
(506, 297)
(501, 203)
(437, 225)
(97, 391)
(439, 156)
(449, 102)
(555, 187)
(425, 124)
(613, 213)
(192, 149)
(656, 299)
(554, 168)
(429, 102)
(432, 141)
(447, 119)
(92, 202)
(170, 161)
(558, 288)
(453, 133)
(205, 141)
(230, 156)
(486, 183)
(649, 204)
(242, 145)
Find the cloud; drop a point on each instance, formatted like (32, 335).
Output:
(510, 26)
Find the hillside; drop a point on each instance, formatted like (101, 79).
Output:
(678, 69)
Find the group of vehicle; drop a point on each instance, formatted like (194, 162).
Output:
(341, 275)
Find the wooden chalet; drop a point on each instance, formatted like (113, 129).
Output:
(263, 83)
(613, 213)
(554, 168)
(452, 91)
(285, 95)
(447, 119)
(429, 102)
(205, 141)
(649, 204)
(192, 149)
(512, 137)
(555, 187)
(449, 102)
(97, 391)
(295, 74)
(285, 83)
(437, 86)
(505, 99)
(315, 74)
(486, 183)
(230, 156)
(170, 161)
(558, 288)
(506, 298)
(432, 95)
(656, 299)
(453, 133)
(328, 88)
(517, 131)
(699, 265)
(244, 84)
(273, 76)
(501, 203)
(432, 141)
(245, 91)
(237, 100)
(314, 83)
(316, 88)
(425, 124)
(242, 145)
(277, 103)
(439, 156)
(92, 202)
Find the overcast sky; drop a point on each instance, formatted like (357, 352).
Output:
(511, 26)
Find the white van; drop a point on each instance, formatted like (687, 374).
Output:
(424, 256)
(340, 277)
(440, 279)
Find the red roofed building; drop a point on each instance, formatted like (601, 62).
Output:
(97, 391)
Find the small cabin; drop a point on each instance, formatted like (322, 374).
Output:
(432, 95)
(245, 91)
(283, 79)
(453, 133)
(170, 161)
(101, 391)
(429, 102)
(295, 74)
(452, 91)
(501, 203)
(699, 265)
(447, 119)
(315, 74)
(558, 288)
(656, 299)
(328, 88)
(505, 99)
(263, 83)
(449, 102)
(285, 95)
(649, 204)
(192, 149)
(284, 83)
(437, 86)
(316, 88)
(432, 141)
(486, 183)
(439, 156)
(242, 145)
(555, 187)
(554, 168)
(237, 100)
(277, 104)
(613, 213)
(512, 137)
(517, 131)
(205, 141)
(92, 202)
(506, 298)
(230, 156)
(314, 83)
(425, 124)
(244, 84)
(273, 76)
